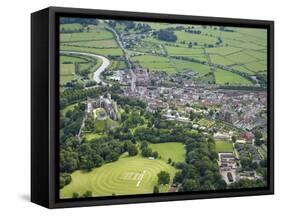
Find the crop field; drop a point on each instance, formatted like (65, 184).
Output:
(128, 175)
(173, 150)
(223, 146)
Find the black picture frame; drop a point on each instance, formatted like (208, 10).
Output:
(45, 100)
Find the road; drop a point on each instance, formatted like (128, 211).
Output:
(133, 82)
(102, 68)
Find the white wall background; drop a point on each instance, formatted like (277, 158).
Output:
(15, 106)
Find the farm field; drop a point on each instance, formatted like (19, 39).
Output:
(101, 51)
(224, 77)
(173, 150)
(128, 175)
(93, 34)
(67, 73)
(223, 146)
(68, 68)
(156, 63)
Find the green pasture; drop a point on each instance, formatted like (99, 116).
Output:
(224, 77)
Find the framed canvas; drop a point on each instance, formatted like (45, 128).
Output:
(138, 107)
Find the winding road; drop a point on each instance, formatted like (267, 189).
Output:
(102, 68)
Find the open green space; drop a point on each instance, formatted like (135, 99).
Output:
(227, 77)
(223, 146)
(70, 27)
(173, 150)
(206, 122)
(101, 51)
(188, 66)
(128, 175)
(92, 136)
(93, 34)
(155, 63)
(67, 73)
(96, 43)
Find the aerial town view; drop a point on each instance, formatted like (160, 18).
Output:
(150, 107)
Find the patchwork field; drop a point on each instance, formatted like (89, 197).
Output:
(173, 150)
(223, 146)
(128, 175)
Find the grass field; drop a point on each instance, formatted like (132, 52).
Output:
(96, 43)
(67, 59)
(223, 146)
(224, 77)
(173, 150)
(128, 175)
(101, 51)
(155, 63)
(94, 34)
(200, 39)
(71, 27)
(67, 73)
(186, 66)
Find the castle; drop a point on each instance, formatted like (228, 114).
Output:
(109, 105)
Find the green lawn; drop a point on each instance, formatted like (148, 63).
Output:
(206, 123)
(128, 175)
(173, 150)
(223, 146)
